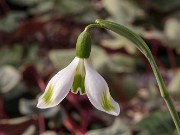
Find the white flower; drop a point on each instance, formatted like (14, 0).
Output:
(79, 76)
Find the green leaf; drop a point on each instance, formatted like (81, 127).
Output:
(123, 11)
(65, 7)
(153, 95)
(175, 15)
(62, 58)
(129, 34)
(129, 87)
(9, 78)
(174, 85)
(42, 7)
(49, 133)
(99, 60)
(169, 36)
(25, 125)
(10, 21)
(165, 5)
(120, 63)
(11, 56)
(25, 2)
(31, 55)
(117, 128)
(15, 93)
(158, 123)
(86, 17)
(120, 42)
(172, 32)
(30, 130)
(28, 107)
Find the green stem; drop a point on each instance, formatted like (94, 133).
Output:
(142, 46)
(165, 94)
(91, 26)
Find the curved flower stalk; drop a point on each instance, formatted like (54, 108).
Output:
(79, 76)
(142, 46)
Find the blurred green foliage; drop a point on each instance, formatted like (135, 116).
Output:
(37, 38)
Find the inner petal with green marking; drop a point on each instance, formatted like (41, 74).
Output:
(47, 97)
(105, 102)
(79, 77)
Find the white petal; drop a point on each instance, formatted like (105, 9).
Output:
(98, 91)
(59, 86)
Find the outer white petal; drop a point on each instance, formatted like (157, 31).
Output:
(58, 86)
(96, 86)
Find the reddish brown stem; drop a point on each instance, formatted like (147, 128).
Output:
(41, 124)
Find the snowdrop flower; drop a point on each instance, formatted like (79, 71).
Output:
(79, 76)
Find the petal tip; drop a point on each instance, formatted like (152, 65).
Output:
(117, 111)
(40, 105)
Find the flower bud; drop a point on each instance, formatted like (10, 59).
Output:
(83, 45)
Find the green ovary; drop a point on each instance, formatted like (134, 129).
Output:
(47, 97)
(105, 102)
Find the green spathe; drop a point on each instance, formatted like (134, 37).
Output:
(83, 45)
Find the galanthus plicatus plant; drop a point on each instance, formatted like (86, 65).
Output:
(80, 77)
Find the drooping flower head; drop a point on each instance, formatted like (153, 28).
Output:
(79, 76)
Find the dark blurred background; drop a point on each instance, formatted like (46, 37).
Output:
(37, 39)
